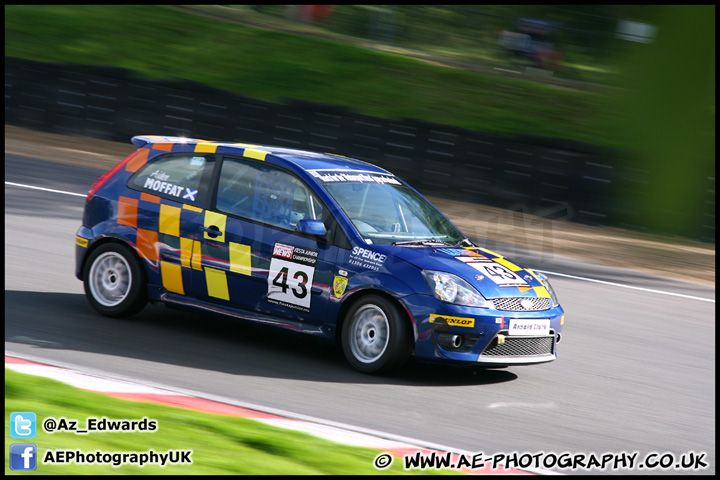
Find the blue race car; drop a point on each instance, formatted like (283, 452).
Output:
(321, 244)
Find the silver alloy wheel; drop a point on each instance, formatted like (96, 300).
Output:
(370, 333)
(110, 279)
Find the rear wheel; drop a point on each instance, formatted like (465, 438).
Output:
(114, 281)
(375, 335)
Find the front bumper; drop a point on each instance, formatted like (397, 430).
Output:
(449, 333)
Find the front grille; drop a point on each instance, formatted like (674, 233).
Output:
(520, 347)
(513, 304)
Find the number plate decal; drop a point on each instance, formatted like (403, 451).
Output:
(290, 276)
(529, 328)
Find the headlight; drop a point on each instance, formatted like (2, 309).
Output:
(453, 289)
(546, 283)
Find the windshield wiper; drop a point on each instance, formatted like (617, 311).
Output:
(467, 243)
(427, 243)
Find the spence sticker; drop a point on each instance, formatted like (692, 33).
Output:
(290, 276)
(366, 258)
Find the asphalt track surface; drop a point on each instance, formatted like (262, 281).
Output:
(636, 371)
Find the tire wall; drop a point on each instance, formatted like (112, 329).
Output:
(554, 178)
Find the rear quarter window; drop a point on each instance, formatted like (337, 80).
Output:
(180, 177)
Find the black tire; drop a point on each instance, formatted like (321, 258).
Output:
(114, 281)
(376, 336)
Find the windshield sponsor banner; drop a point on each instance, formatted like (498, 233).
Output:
(338, 176)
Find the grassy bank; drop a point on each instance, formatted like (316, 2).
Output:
(162, 42)
(220, 444)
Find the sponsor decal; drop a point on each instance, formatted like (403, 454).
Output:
(457, 252)
(453, 321)
(337, 176)
(83, 242)
(290, 276)
(160, 175)
(190, 194)
(477, 259)
(527, 304)
(284, 251)
(535, 328)
(465, 255)
(366, 258)
(164, 187)
(339, 286)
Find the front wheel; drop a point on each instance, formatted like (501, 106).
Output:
(114, 281)
(375, 336)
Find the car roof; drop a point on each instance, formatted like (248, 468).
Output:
(305, 160)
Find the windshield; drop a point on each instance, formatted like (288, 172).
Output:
(386, 212)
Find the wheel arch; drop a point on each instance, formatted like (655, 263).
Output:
(357, 296)
(106, 240)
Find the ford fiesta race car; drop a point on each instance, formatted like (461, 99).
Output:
(321, 244)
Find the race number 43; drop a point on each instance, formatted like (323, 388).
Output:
(499, 274)
(290, 282)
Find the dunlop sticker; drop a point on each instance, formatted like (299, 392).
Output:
(453, 321)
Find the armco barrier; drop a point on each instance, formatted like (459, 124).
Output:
(543, 176)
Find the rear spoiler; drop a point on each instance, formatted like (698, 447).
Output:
(142, 140)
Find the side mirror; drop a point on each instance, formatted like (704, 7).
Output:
(311, 227)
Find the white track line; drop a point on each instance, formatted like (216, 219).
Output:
(550, 273)
(628, 286)
(45, 189)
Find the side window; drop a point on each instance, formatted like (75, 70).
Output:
(176, 176)
(265, 194)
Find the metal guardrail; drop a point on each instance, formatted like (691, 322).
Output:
(549, 177)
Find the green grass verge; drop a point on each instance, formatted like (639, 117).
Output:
(220, 444)
(165, 43)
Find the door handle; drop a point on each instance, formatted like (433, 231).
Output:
(212, 230)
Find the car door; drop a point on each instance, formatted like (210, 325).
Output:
(252, 258)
